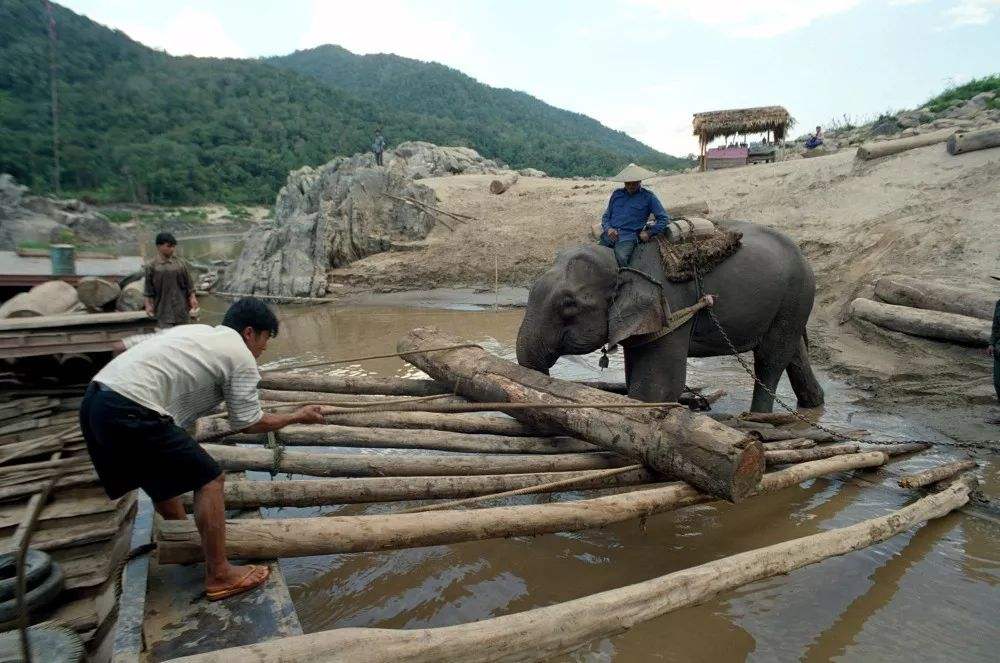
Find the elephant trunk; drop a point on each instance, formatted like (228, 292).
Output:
(530, 352)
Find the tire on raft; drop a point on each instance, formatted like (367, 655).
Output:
(37, 564)
(52, 644)
(41, 596)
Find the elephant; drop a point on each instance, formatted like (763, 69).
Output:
(763, 297)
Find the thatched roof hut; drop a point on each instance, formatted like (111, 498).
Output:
(710, 125)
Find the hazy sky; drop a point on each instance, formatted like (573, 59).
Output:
(642, 66)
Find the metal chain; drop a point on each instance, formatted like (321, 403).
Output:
(753, 375)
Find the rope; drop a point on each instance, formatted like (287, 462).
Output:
(278, 449)
(354, 360)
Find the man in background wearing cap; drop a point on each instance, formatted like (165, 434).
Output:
(169, 290)
(624, 221)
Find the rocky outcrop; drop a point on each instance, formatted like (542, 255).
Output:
(25, 218)
(327, 217)
(420, 160)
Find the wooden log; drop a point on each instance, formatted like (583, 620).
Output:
(455, 423)
(928, 324)
(132, 297)
(675, 441)
(936, 474)
(803, 455)
(916, 293)
(773, 418)
(322, 492)
(350, 385)
(796, 443)
(971, 141)
(874, 150)
(779, 434)
(392, 438)
(371, 465)
(96, 293)
(330, 398)
(900, 448)
(501, 184)
(295, 537)
(45, 299)
(542, 633)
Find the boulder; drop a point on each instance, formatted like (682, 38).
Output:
(420, 159)
(532, 172)
(327, 217)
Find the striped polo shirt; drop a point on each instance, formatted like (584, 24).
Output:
(186, 372)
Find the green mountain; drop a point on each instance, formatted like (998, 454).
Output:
(138, 124)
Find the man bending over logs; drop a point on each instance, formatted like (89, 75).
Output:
(134, 414)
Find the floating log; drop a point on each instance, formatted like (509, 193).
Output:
(673, 441)
(919, 322)
(45, 299)
(296, 537)
(874, 150)
(773, 418)
(802, 455)
(371, 465)
(936, 474)
(971, 141)
(916, 293)
(350, 385)
(96, 293)
(323, 492)
(796, 443)
(542, 633)
(392, 438)
(503, 183)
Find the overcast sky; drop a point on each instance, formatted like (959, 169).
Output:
(642, 66)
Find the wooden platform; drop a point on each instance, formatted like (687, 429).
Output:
(53, 335)
(27, 270)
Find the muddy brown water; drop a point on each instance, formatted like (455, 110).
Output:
(930, 593)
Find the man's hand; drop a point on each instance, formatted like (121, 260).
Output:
(192, 302)
(309, 414)
(150, 310)
(613, 234)
(644, 236)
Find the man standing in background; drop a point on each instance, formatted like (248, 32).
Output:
(378, 146)
(169, 290)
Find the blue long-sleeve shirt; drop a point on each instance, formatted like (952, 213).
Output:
(627, 213)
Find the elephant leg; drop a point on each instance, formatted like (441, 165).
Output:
(770, 359)
(807, 389)
(655, 372)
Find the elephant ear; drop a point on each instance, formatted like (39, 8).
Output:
(638, 308)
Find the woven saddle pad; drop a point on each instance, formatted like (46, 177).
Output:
(695, 242)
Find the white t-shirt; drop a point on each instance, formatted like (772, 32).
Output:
(185, 372)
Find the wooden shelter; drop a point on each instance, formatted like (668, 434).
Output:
(712, 124)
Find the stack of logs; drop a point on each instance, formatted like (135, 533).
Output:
(930, 310)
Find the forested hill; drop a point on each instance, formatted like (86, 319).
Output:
(511, 125)
(138, 124)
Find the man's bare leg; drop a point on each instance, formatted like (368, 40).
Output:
(210, 517)
(172, 509)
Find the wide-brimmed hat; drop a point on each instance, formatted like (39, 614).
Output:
(633, 173)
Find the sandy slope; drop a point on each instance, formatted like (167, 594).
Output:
(922, 213)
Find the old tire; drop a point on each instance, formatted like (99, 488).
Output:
(37, 566)
(52, 644)
(37, 598)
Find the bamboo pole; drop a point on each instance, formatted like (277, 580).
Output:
(935, 474)
(672, 441)
(377, 465)
(542, 633)
(267, 539)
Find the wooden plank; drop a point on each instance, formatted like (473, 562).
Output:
(49, 321)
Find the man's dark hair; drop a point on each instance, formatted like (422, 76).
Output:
(166, 238)
(251, 312)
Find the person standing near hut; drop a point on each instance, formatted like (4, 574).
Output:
(378, 146)
(623, 225)
(169, 290)
(135, 411)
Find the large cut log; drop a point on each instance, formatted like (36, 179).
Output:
(393, 438)
(919, 322)
(971, 141)
(672, 441)
(409, 465)
(936, 474)
(132, 298)
(297, 537)
(96, 293)
(339, 384)
(49, 298)
(323, 492)
(906, 291)
(542, 633)
(884, 148)
(501, 184)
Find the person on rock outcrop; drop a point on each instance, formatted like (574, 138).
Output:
(624, 222)
(135, 411)
(378, 146)
(815, 140)
(168, 288)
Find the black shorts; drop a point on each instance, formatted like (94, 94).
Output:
(132, 447)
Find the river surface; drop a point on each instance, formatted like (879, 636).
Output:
(928, 594)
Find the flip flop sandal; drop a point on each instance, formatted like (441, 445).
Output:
(251, 580)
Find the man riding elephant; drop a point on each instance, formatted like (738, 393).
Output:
(624, 222)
